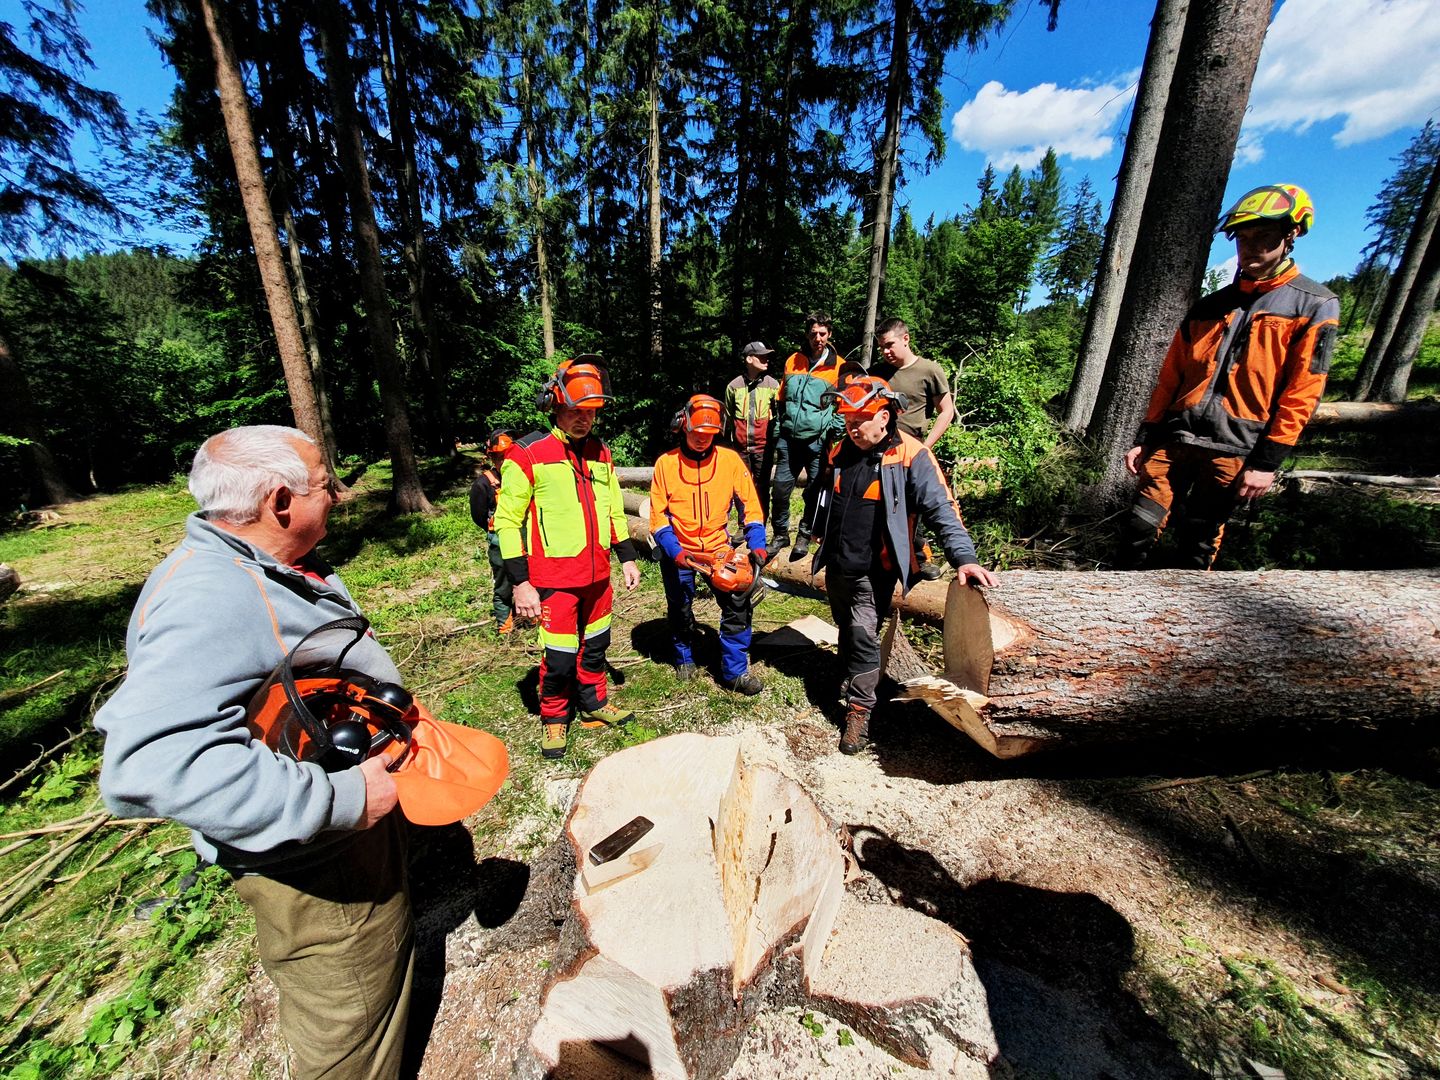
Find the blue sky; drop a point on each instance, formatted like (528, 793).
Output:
(1342, 86)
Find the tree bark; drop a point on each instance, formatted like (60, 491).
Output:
(734, 903)
(9, 581)
(235, 107)
(1374, 415)
(1148, 112)
(1393, 378)
(20, 418)
(657, 232)
(895, 92)
(1218, 54)
(407, 493)
(536, 188)
(1098, 657)
(311, 332)
(1398, 292)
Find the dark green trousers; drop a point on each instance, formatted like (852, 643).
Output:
(337, 939)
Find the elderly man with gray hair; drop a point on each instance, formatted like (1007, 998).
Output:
(319, 856)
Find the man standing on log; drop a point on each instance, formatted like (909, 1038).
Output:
(750, 416)
(559, 516)
(318, 856)
(1239, 383)
(880, 480)
(691, 493)
(805, 419)
(926, 388)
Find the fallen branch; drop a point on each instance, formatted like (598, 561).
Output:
(46, 868)
(45, 755)
(10, 698)
(1166, 785)
(1328, 476)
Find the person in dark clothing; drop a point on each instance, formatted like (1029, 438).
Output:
(879, 481)
(484, 494)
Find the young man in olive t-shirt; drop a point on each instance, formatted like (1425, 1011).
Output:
(927, 394)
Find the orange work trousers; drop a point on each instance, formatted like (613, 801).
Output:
(1195, 486)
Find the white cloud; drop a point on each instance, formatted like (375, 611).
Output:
(1014, 127)
(1375, 66)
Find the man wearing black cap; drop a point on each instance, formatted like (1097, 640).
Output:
(749, 416)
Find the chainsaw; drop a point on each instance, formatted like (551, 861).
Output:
(729, 570)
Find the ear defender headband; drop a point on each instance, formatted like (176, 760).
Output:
(580, 383)
(864, 394)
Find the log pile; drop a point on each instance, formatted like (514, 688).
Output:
(741, 909)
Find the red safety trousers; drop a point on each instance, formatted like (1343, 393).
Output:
(575, 631)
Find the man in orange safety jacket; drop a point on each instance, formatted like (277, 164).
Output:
(691, 492)
(1243, 374)
(559, 516)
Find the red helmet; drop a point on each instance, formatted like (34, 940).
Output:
(580, 383)
(702, 415)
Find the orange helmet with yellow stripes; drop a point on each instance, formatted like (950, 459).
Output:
(1286, 203)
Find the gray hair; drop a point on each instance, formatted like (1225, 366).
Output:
(236, 469)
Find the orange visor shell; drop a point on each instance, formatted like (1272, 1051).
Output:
(499, 443)
(583, 383)
(865, 396)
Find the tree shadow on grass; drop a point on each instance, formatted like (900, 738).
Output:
(1052, 964)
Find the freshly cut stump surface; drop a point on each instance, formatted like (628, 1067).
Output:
(739, 909)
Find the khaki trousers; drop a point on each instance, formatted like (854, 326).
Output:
(337, 939)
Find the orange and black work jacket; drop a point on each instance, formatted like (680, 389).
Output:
(1246, 369)
(484, 493)
(749, 411)
(691, 496)
(560, 512)
(803, 414)
(905, 479)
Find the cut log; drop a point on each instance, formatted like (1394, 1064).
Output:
(742, 910)
(634, 477)
(1375, 415)
(1416, 483)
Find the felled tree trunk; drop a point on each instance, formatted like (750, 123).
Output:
(1096, 657)
(1375, 415)
(734, 903)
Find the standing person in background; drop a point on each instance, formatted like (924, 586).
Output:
(690, 496)
(927, 395)
(484, 494)
(806, 418)
(559, 516)
(1243, 374)
(749, 416)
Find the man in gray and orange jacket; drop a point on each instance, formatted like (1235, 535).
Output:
(1243, 374)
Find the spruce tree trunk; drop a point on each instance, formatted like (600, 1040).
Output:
(657, 236)
(895, 86)
(1147, 114)
(311, 331)
(536, 190)
(235, 107)
(20, 419)
(1398, 293)
(407, 494)
(1393, 379)
(1213, 73)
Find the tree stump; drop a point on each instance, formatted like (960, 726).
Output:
(741, 909)
(9, 581)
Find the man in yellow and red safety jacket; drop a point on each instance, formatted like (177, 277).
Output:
(880, 481)
(691, 492)
(1243, 374)
(484, 494)
(559, 516)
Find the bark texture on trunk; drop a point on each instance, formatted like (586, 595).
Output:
(235, 108)
(895, 86)
(535, 187)
(1399, 288)
(1112, 657)
(657, 230)
(1374, 415)
(1392, 381)
(1218, 54)
(408, 495)
(1147, 113)
(734, 903)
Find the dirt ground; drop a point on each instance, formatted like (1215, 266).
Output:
(1094, 902)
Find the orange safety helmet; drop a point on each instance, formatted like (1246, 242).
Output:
(702, 415)
(865, 394)
(580, 383)
(337, 717)
(500, 442)
(1286, 203)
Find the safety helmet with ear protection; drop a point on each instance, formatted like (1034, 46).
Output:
(312, 708)
(865, 394)
(582, 382)
(702, 415)
(500, 442)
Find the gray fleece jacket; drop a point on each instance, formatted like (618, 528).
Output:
(212, 622)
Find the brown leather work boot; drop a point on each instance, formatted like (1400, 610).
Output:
(857, 731)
